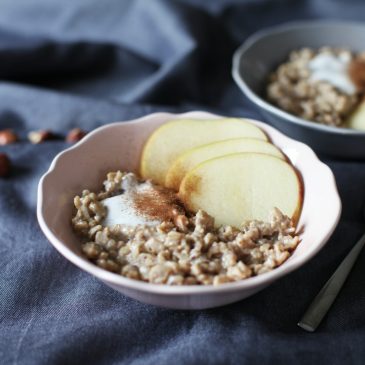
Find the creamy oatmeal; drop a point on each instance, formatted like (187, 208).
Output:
(140, 230)
(323, 86)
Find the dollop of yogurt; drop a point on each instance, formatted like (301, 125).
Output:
(140, 203)
(334, 70)
(121, 208)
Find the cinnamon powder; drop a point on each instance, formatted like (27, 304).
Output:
(357, 73)
(157, 203)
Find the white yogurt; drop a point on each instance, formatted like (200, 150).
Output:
(334, 70)
(120, 208)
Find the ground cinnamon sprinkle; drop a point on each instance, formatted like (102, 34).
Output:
(357, 73)
(158, 204)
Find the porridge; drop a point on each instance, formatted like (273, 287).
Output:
(142, 231)
(324, 86)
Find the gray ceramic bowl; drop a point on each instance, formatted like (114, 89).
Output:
(263, 51)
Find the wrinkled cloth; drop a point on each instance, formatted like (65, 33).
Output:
(86, 63)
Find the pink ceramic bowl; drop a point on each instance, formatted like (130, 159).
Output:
(118, 146)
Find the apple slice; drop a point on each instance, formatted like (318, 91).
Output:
(243, 186)
(193, 157)
(357, 118)
(177, 136)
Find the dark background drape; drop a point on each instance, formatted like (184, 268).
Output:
(85, 63)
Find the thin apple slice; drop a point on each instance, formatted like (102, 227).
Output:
(195, 156)
(243, 186)
(357, 118)
(177, 136)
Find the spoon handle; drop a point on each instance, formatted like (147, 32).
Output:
(324, 299)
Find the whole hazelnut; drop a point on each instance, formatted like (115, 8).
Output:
(39, 136)
(75, 135)
(7, 136)
(4, 165)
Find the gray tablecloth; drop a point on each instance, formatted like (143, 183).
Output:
(85, 63)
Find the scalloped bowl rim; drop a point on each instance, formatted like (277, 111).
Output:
(118, 280)
(262, 103)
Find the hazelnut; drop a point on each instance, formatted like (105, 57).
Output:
(39, 136)
(75, 135)
(4, 165)
(7, 136)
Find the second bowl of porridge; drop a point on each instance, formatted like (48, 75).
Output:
(308, 79)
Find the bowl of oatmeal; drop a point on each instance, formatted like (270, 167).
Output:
(308, 80)
(138, 238)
